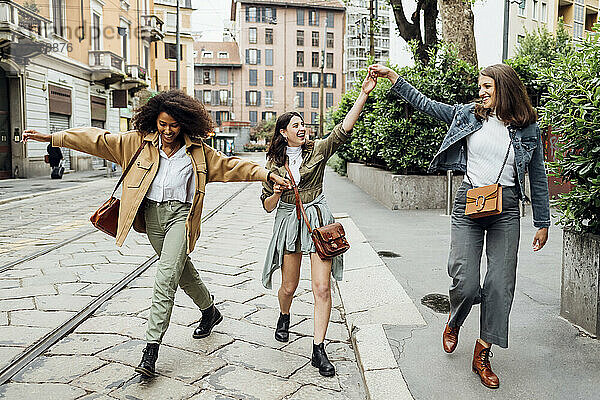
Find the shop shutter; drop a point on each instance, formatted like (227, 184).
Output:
(60, 122)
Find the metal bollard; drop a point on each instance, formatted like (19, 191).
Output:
(449, 192)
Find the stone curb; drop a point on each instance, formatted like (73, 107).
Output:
(371, 297)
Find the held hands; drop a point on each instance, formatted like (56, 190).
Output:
(35, 135)
(381, 71)
(369, 83)
(540, 239)
(280, 184)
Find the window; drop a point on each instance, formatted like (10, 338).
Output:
(520, 38)
(251, 14)
(329, 60)
(58, 14)
(314, 118)
(267, 115)
(206, 76)
(223, 77)
(171, 20)
(224, 97)
(301, 115)
(268, 36)
(125, 41)
(534, 15)
(329, 100)
(299, 38)
(299, 16)
(252, 35)
(96, 29)
(522, 10)
(315, 39)
(315, 79)
(207, 54)
(330, 81)
(314, 99)
(313, 18)
(329, 19)
(173, 79)
(269, 77)
(300, 79)
(198, 76)
(330, 40)
(299, 99)
(171, 51)
(300, 59)
(253, 77)
(252, 98)
(223, 54)
(315, 59)
(268, 98)
(268, 15)
(253, 116)
(206, 97)
(544, 13)
(253, 56)
(269, 57)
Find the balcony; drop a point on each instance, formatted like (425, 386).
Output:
(23, 33)
(135, 79)
(107, 67)
(152, 28)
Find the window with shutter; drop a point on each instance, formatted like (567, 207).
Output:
(258, 98)
(258, 57)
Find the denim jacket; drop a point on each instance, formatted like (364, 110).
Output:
(452, 155)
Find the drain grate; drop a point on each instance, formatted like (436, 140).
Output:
(388, 254)
(439, 303)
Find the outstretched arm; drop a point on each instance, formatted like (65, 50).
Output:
(418, 100)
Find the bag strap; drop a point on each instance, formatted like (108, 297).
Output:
(501, 169)
(299, 205)
(135, 156)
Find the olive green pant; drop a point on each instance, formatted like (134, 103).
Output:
(165, 226)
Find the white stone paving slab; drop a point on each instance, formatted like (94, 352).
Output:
(58, 369)
(46, 391)
(387, 384)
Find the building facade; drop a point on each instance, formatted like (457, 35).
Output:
(67, 63)
(284, 46)
(356, 38)
(165, 70)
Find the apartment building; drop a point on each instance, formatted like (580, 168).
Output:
(68, 63)
(283, 45)
(579, 16)
(165, 70)
(356, 39)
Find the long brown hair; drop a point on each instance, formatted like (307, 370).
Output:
(512, 102)
(276, 152)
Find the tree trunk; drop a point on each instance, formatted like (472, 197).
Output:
(412, 30)
(457, 28)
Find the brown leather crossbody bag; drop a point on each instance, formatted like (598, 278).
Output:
(106, 218)
(330, 240)
(486, 200)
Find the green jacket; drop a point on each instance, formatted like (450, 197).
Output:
(314, 158)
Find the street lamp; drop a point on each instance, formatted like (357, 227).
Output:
(506, 20)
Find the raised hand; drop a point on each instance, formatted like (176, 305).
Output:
(381, 71)
(35, 135)
(369, 83)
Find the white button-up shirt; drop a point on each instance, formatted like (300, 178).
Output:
(174, 179)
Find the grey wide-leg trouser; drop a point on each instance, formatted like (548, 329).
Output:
(165, 226)
(501, 234)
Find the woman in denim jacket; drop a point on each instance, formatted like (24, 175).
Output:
(501, 130)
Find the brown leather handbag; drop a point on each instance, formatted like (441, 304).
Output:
(106, 218)
(485, 200)
(330, 240)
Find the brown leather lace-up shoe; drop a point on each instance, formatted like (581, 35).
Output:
(482, 367)
(450, 337)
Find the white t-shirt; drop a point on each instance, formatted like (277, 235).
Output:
(295, 160)
(486, 149)
(174, 179)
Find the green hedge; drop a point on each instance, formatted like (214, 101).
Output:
(572, 108)
(391, 133)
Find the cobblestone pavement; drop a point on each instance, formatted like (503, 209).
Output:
(240, 360)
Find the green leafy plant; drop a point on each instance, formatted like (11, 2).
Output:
(572, 108)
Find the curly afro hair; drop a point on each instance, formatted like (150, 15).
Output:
(191, 115)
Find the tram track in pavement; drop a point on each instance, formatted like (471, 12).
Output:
(30, 353)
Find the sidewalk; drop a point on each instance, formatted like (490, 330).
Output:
(547, 359)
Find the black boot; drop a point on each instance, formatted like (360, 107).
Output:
(282, 333)
(146, 367)
(210, 317)
(320, 360)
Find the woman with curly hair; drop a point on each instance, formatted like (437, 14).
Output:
(306, 160)
(163, 195)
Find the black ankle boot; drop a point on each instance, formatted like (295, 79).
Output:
(210, 317)
(320, 360)
(282, 333)
(146, 367)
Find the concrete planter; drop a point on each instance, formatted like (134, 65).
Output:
(402, 192)
(580, 299)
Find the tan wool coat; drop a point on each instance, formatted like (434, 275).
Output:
(209, 166)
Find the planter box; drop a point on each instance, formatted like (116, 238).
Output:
(579, 297)
(402, 192)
